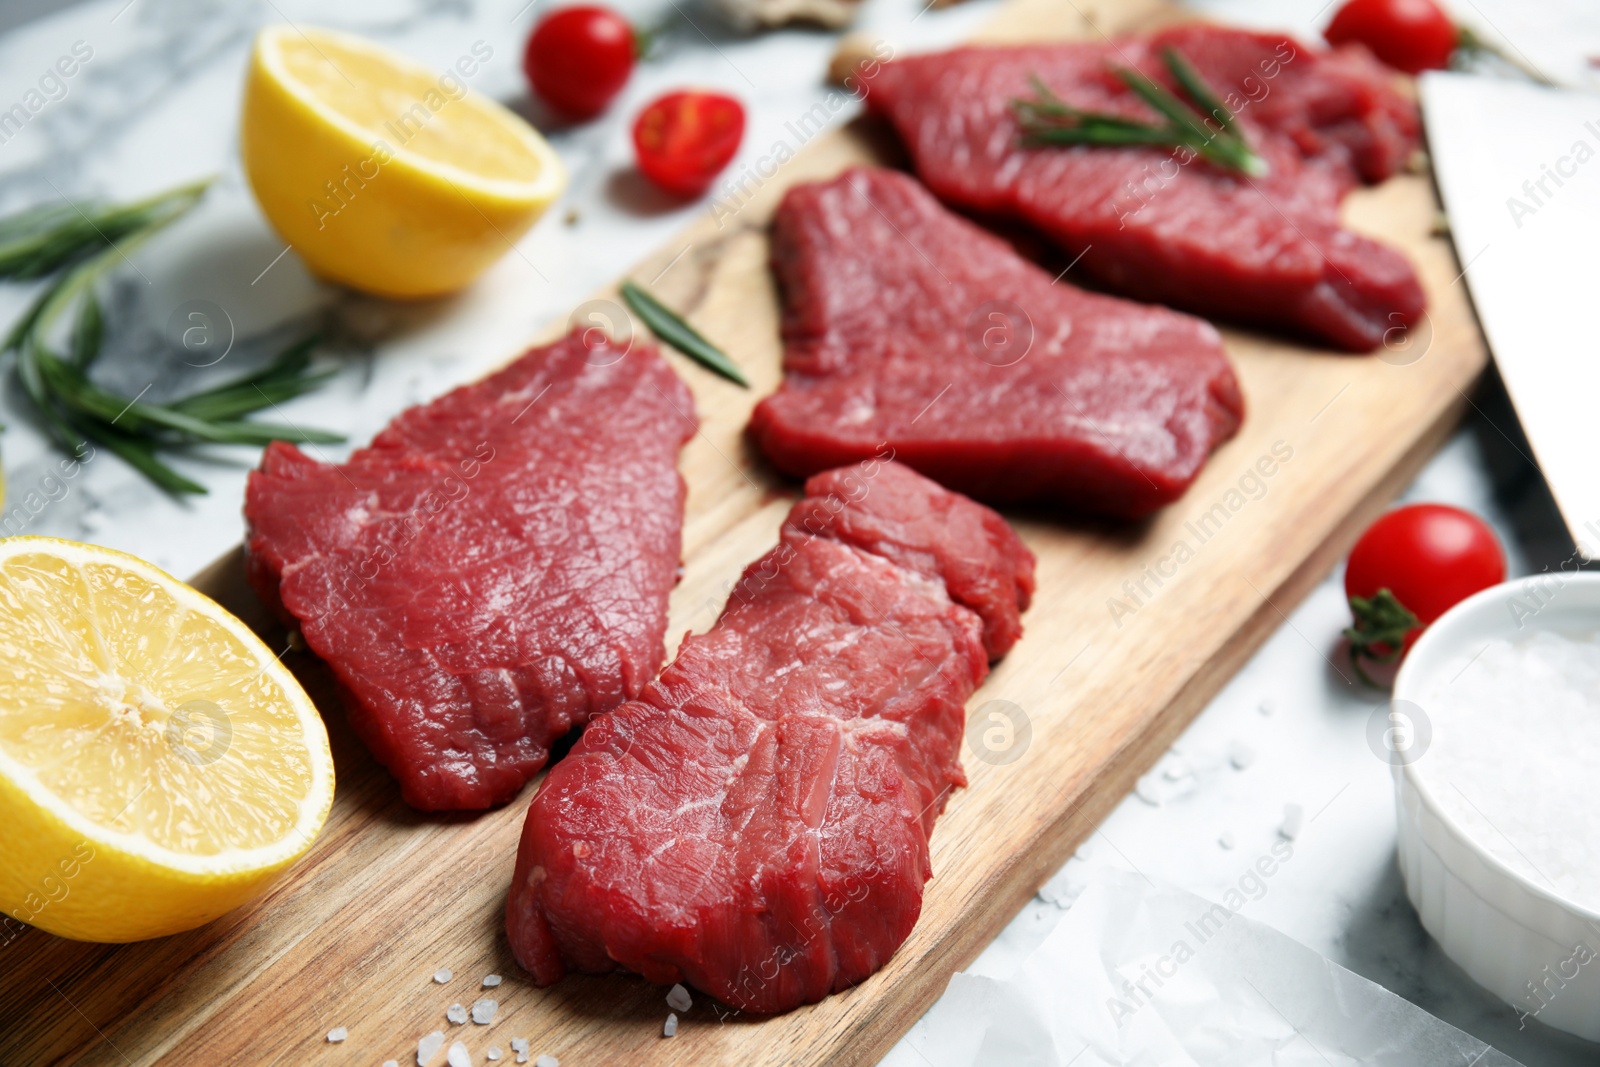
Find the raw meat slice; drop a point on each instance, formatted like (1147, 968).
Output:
(1268, 251)
(494, 569)
(756, 823)
(910, 328)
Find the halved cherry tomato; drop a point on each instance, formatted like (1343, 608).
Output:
(684, 139)
(1410, 567)
(1409, 35)
(579, 58)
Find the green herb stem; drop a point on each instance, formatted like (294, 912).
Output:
(672, 329)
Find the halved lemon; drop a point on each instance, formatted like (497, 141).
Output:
(158, 765)
(383, 174)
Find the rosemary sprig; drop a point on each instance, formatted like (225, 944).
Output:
(671, 328)
(41, 240)
(1047, 119)
(82, 241)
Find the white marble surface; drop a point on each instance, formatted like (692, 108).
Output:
(157, 105)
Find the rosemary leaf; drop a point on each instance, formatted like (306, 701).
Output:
(141, 456)
(282, 379)
(671, 328)
(42, 240)
(1191, 130)
(223, 404)
(1196, 87)
(242, 432)
(87, 333)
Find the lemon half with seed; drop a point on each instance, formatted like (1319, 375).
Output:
(383, 174)
(158, 764)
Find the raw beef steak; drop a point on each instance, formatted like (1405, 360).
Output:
(1267, 250)
(907, 326)
(756, 823)
(494, 569)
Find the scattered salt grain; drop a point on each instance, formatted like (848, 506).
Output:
(1061, 890)
(671, 1027)
(338, 1034)
(1226, 840)
(483, 1011)
(1173, 779)
(428, 1047)
(494, 1052)
(678, 998)
(1241, 755)
(1146, 791)
(458, 1056)
(519, 1045)
(1293, 818)
(456, 1014)
(442, 975)
(490, 981)
(546, 1061)
(391, 1063)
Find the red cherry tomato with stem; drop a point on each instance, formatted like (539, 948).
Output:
(1410, 567)
(1409, 35)
(579, 58)
(684, 139)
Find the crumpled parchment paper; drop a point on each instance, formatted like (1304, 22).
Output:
(1141, 975)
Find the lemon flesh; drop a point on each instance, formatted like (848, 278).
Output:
(382, 174)
(158, 765)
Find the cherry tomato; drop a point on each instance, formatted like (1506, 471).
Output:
(579, 58)
(1409, 35)
(684, 139)
(1410, 567)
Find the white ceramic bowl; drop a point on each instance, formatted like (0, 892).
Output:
(1514, 936)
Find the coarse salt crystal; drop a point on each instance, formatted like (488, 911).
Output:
(458, 1056)
(391, 1063)
(1061, 890)
(494, 1052)
(678, 998)
(1146, 791)
(546, 1061)
(671, 1027)
(483, 1011)
(1293, 818)
(442, 975)
(456, 1014)
(338, 1034)
(519, 1045)
(491, 980)
(428, 1047)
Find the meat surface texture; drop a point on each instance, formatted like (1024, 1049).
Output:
(493, 569)
(756, 823)
(1268, 251)
(909, 327)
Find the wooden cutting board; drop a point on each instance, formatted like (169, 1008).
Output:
(353, 935)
